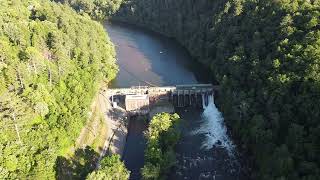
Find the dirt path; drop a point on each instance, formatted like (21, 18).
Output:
(91, 130)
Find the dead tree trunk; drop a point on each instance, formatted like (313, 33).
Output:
(16, 127)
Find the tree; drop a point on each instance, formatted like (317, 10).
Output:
(111, 168)
(162, 136)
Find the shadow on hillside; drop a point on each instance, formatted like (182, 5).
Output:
(78, 167)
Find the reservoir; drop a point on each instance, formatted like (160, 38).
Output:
(149, 59)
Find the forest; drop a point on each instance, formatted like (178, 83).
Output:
(96, 9)
(264, 54)
(266, 57)
(52, 62)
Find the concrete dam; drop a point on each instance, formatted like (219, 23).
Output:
(138, 100)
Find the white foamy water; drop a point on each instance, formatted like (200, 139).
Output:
(214, 129)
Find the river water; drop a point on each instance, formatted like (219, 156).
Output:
(147, 58)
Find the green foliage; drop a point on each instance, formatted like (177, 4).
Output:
(266, 57)
(52, 61)
(111, 168)
(151, 171)
(97, 9)
(162, 136)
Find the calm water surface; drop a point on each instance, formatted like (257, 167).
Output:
(147, 58)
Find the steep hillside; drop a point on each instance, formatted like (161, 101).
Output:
(97, 9)
(266, 56)
(52, 61)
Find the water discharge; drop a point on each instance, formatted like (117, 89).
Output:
(213, 128)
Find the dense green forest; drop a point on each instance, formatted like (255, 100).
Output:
(97, 9)
(111, 168)
(266, 57)
(162, 136)
(52, 62)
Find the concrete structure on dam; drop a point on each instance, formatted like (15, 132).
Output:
(138, 100)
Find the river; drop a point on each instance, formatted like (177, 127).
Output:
(147, 58)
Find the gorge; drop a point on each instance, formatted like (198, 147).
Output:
(263, 54)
